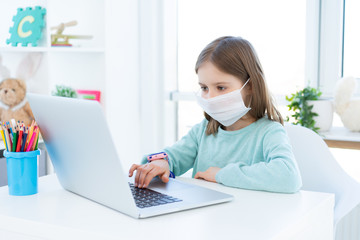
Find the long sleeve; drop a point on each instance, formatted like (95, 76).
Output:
(183, 153)
(278, 173)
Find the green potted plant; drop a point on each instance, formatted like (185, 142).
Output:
(302, 104)
(64, 91)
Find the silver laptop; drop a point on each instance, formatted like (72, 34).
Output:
(85, 160)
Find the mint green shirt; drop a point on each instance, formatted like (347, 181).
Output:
(257, 157)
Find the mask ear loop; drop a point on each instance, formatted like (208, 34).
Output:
(245, 84)
(250, 102)
(251, 96)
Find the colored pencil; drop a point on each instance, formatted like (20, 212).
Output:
(31, 129)
(15, 135)
(7, 137)
(24, 139)
(9, 127)
(31, 141)
(18, 146)
(10, 131)
(13, 123)
(35, 139)
(3, 138)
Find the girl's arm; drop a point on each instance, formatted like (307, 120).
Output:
(183, 153)
(279, 172)
(181, 157)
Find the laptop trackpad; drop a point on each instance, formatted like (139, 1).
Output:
(157, 185)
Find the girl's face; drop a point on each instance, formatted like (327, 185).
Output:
(213, 82)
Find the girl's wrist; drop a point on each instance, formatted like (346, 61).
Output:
(160, 156)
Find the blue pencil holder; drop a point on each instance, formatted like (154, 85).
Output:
(22, 172)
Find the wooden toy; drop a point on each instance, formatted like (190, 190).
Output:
(60, 39)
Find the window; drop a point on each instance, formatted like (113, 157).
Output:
(351, 50)
(298, 42)
(275, 28)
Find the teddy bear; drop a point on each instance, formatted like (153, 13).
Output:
(346, 106)
(13, 103)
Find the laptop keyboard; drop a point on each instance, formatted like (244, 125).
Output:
(149, 198)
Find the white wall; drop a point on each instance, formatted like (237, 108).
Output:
(158, 73)
(122, 85)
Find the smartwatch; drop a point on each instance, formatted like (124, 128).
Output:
(158, 156)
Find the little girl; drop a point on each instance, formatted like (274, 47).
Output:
(241, 142)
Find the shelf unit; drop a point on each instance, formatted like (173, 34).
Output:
(81, 66)
(110, 62)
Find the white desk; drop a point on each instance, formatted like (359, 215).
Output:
(54, 213)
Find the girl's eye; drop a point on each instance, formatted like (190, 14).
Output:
(204, 88)
(13, 90)
(221, 88)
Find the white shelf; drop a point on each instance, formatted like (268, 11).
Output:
(76, 49)
(51, 49)
(22, 49)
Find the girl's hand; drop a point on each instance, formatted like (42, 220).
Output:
(145, 173)
(208, 175)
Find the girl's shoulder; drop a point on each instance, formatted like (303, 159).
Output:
(269, 125)
(200, 127)
(272, 132)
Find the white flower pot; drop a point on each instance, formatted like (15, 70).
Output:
(325, 110)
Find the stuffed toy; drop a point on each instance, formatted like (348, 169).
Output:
(346, 106)
(13, 103)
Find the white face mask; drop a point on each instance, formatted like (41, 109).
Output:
(226, 108)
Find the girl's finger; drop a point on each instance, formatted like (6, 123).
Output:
(149, 176)
(198, 175)
(145, 169)
(137, 176)
(165, 177)
(132, 169)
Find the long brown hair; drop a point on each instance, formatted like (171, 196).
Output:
(236, 56)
